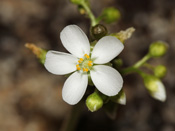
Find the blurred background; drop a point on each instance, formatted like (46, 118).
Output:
(30, 97)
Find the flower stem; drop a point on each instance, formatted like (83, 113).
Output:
(71, 123)
(135, 67)
(142, 61)
(132, 70)
(90, 14)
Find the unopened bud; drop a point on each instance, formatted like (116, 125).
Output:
(98, 31)
(119, 98)
(110, 15)
(160, 71)
(155, 87)
(158, 49)
(94, 102)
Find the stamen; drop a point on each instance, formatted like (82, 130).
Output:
(84, 64)
(87, 56)
(85, 69)
(80, 60)
(78, 67)
(89, 63)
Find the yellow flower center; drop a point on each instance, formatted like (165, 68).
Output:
(84, 64)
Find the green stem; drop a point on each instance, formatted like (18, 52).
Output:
(98, 19)
(90, 14)
(135, 67)
(132, 70)
(142, 61)
(71, 123)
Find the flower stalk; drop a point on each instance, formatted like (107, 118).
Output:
(135, 67)
(89, 13)
(142, 61)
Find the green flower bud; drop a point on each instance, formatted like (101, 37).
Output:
(158, 49)
(110, 15)
(94, 102)
(120, 98)
(160, 71)
(155, 87)
(98, 31)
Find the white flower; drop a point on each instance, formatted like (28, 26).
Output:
(83, 62)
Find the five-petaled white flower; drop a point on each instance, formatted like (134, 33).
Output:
(82, 62)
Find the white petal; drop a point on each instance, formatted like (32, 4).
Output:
(60, 63)
(106, 49)
(75, 40)
(106, 79)
(160, 94)
(74, 88)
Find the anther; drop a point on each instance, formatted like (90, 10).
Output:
(78, 67)
(87, 56)
(85, 69)
(80, 60)
(89, 63)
